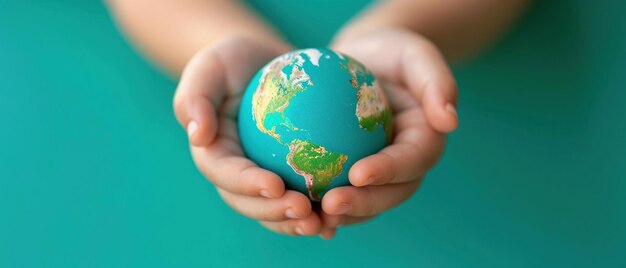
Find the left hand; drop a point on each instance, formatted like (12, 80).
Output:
(206, 104)
(423, 96)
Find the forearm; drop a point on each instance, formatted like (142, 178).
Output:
(172, 31)
(458, 27)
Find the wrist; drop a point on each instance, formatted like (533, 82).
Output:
(272, 42)
(351, 37)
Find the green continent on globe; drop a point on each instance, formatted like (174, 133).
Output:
(372, 108)
(317, 165)
(276, 89)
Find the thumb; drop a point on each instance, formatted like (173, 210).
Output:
(426, 73)
(200, 90)
(199, 120)
(439, 103)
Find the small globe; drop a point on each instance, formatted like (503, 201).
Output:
(309, 115)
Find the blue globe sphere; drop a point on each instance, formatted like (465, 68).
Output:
(309, 115)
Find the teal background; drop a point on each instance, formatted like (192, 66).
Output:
(95, 172)
(324, 113)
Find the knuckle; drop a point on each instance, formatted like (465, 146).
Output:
(389, 161)
(265, 214)
(269, 213)
(244, 184)
(368, 205)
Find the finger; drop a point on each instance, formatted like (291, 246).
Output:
(368, 200)
(426, 73)
(292, 205)
(415, 150)
(310, 225)
(328, 233)
(222, 162)
(334, 221)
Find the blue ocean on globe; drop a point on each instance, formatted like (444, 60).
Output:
(309, 115)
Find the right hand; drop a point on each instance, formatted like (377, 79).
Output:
(206, 105)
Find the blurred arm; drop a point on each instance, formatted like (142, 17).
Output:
(172, 31)
(458, 27)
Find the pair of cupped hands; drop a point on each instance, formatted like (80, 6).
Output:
(420, 88)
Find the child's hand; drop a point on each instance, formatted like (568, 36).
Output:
(423, 94)
(206, 104)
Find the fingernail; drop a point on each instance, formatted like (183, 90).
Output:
(291, 214)
(265, 193)
(344, 208)
(299, 231)
(328, 234)
(192, 127)
(451, 109)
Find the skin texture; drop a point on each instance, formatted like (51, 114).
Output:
(206, 40)
(459, 28)
(170, 32)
